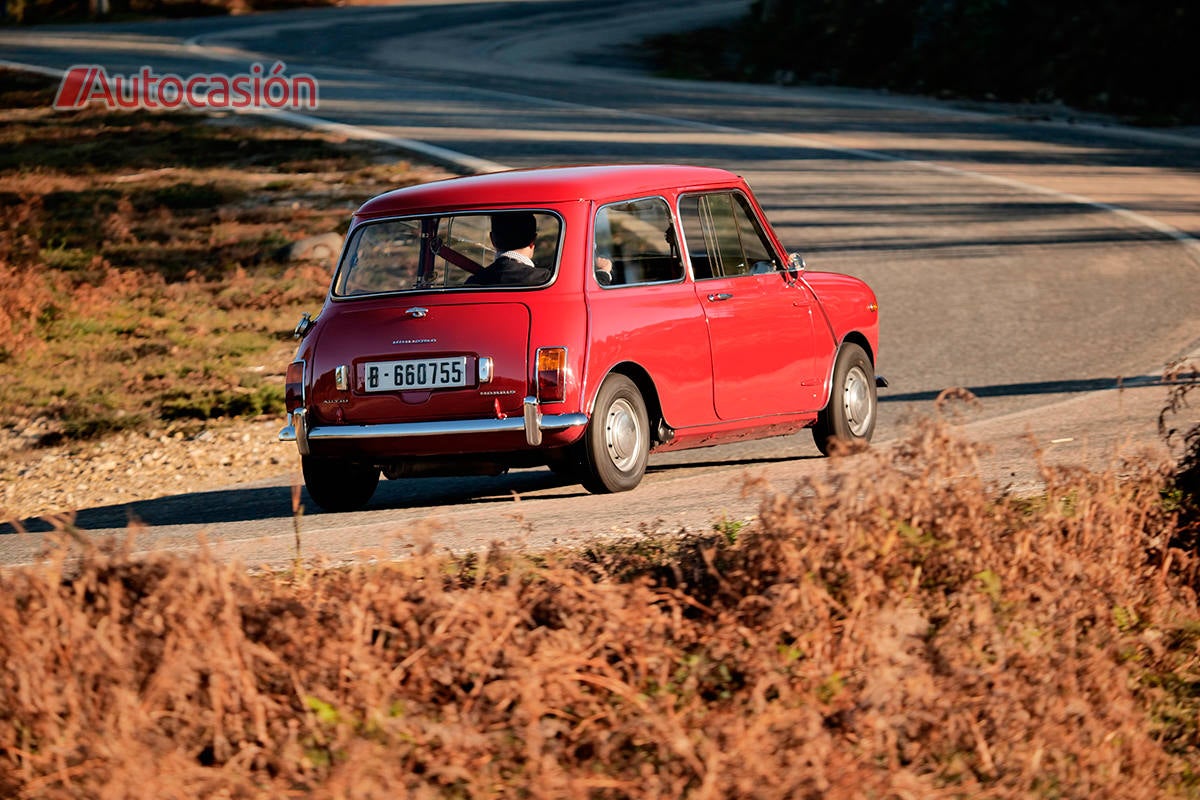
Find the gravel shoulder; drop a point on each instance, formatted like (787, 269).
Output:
(1095, 430)
(129, 466)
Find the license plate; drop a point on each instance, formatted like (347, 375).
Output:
(417, 373)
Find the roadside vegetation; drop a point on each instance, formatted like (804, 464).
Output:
(147, 274)
(1104, 56)
(897, 629)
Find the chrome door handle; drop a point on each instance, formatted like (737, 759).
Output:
(713, 298)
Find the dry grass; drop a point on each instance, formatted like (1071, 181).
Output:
(900, 630)
(143, 275)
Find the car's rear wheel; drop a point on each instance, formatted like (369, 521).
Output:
(850, 414)
(339, 485)
(617, 442)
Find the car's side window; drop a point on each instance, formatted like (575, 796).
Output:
(635, 242)
(723, 237)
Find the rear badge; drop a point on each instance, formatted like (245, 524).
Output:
(414, 341)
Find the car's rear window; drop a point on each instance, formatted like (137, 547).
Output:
(461, 251)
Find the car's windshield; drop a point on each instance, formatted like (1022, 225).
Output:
(462, 251)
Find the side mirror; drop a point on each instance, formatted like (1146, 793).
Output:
(795, 266)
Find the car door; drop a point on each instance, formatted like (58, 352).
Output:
(761, 326)
(643, 311)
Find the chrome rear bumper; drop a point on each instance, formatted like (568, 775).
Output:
(533, 422)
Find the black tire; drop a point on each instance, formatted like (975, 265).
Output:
(850, 415)
(338, 485)
(616, 445)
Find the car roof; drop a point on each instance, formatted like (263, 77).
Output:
(545, 185)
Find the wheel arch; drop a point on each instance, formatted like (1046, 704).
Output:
(645, 384)
(856, 337)
(851, 337)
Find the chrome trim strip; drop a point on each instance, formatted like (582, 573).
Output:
(467, 427)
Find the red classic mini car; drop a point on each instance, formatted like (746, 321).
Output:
(576, 317)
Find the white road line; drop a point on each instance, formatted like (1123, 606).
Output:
(441, 155)
(471, 163)
(49, 72)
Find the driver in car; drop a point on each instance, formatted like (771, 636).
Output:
(514, 234)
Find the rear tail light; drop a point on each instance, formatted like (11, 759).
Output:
(551, 374)
(293, 387)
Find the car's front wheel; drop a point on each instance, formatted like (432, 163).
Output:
(617, 442)
(850, 414)
(338, 485)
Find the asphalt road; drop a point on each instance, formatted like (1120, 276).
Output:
(1036, 258)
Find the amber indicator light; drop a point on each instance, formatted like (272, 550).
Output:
(551, 369)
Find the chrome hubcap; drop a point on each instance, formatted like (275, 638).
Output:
(856, 401)
(622, 435)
